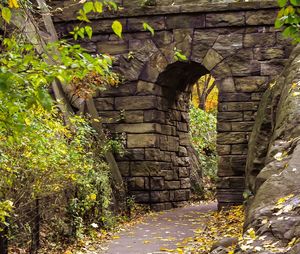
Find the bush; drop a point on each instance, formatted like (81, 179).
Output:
(204, 134)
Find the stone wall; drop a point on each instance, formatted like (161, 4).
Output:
(235, 42)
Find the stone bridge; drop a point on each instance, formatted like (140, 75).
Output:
(235, 42)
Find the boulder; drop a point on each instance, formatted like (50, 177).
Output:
(273, 168)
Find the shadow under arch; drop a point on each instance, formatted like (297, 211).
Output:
(179, 77)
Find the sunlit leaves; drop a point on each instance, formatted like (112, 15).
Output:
(13, 4)
(88, 7)
(117, 28)
(6, 14)
(179, 56)
(282, 3)
(147, 27)
(289, 18)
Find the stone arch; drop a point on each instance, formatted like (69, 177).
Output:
(235, 42)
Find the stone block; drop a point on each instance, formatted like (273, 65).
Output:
(211, 59)
(156, 65)
(230, 116)
(226, 138)
(249, 116)
(231, 196)
(234, 182)
(273, 67)
(169, 143)
(243, 68)
(237, 106)
(112, 47)
(227, 167)
(203, 41)
(132, 155)
(154, 154)
(184, 139)
(145, 168)
(142, 140)
(147, 88)
(157, 183)
(182, 126)
(227, 44)
(183, 40)
(259, 40)
(223, 149)
(239, 149)
(136, 183)
(269, 53)
(234, 97)
(225, 19)
(140, 196)
(260, 17)
(155, 116)
(242, 126)
(185, 21)
(223, 126)
(181, 195)
(227, 85)
(161, 206)
(136, 24)
(160, 196)
(169, 175)
(171, 185)
(182, 152)
(103, 104)
(163, 38)
(132, 116)
(183, 172)
(138, 128)
(168, 130)
(251, 84)
(185, 183)
(138, 102)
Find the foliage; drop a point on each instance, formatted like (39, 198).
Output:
(288, 18)
(228, 223)
(204, 134)
(205, 94)
(42, 158)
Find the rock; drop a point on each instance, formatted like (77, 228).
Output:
(225, 242)
(273, 163)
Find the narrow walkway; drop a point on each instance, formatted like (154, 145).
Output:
(161, 231)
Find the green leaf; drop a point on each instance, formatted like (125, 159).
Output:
(88, 7)
(98, 7)
(6, 14)
(278, 23)
(180, 57)
(117, 28)
(147, 27)
(282, 3)
(295, 2)
(89, 31)
(113, 5)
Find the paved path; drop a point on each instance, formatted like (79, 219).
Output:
(163, 230)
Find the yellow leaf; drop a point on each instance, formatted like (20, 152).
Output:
(145, 242)
(13, 4)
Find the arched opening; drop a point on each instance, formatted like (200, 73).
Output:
(192, 98)
(203, 131)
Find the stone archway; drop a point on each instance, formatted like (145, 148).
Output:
(235, 42)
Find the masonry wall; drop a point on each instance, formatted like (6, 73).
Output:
(235, 42)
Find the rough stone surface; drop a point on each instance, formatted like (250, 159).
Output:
(273, 164)
(235, 42)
